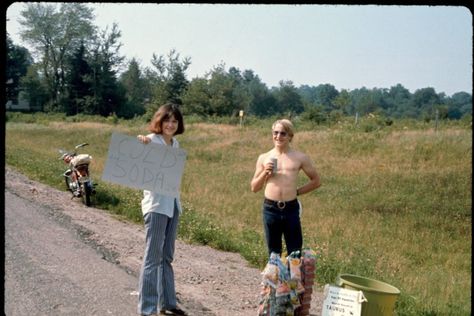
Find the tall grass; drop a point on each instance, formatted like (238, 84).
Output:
(394, 205)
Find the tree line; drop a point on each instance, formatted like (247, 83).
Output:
(74, 67)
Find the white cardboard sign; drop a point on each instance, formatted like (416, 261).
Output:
(153, 167)
(342, 302)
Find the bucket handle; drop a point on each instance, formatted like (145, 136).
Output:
(361, 298)
(339, 282)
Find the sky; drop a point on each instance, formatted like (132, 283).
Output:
(347, 46)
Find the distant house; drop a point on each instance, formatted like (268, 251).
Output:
(20, 105)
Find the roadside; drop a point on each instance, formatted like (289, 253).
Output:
(208, 281)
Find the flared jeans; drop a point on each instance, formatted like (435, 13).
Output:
(156, 283)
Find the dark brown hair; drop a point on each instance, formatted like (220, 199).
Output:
(163, 113)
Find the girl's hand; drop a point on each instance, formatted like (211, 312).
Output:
(143, 139)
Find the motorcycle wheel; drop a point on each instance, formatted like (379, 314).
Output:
(86, 194)
(68, 183)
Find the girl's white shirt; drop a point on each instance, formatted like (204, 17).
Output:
(156, 202)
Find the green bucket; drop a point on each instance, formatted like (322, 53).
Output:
(381, 297)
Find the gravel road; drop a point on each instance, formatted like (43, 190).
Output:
(50, 271)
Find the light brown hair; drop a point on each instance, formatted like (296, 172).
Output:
(287, 126)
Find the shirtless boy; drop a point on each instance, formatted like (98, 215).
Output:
(281, 207)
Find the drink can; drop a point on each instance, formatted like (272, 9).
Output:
(275, 164)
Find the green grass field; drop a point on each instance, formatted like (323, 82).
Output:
(394, 205)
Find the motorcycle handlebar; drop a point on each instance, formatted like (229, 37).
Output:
(81, 145)
(66, 153)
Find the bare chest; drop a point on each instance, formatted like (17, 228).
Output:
(288, 165)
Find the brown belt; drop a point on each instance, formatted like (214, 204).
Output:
(280, 204)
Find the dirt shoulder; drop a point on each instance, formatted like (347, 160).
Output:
(208, 281)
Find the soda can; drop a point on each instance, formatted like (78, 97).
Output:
(275, 164)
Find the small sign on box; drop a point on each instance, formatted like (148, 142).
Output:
(339, 301)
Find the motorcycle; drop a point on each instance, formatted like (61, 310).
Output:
(77, 178)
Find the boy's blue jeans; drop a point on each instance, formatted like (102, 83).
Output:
(282, 219)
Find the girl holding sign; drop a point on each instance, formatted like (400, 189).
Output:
(161, 216)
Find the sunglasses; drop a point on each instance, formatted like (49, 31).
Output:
(282, 133)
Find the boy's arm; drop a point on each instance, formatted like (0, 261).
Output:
(310, 171)
(260, 177)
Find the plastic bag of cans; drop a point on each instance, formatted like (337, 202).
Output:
(287, 286)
